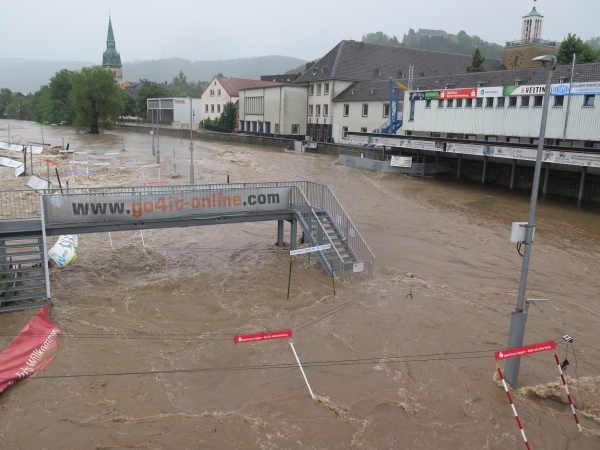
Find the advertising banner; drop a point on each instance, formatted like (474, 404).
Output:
(539, 89)
(483, 92)
(458, 93)
(134, 207)
(591, 88)
(576, 159)
(416, 96)
(464, 148)
(526, 154)
(358, 139)
(259, 337)
(432, 94)
(385, 141)
(419, 145)
(524, 351)
(401, 161)
(28, 352)
(560, 89)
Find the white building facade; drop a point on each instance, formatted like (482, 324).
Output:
(276, 109)
(222, 90)
(174, 110)
(509, 113)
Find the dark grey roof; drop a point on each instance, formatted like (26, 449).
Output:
(351, 60)
(372, 90)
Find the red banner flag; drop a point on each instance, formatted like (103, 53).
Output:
(258, 337)
(458, 93)
(525, 351)
(156, 183)
(28, 352)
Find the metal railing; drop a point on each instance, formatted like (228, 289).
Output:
(307, 197)
(544, 42)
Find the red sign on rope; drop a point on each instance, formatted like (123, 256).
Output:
(54, 163)
(524, 351)
(156, 183)
(258, 337)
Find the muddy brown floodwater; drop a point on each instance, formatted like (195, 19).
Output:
(146, 358)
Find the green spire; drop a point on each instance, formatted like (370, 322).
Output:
(111, 36)
(111, 56)
(532, 13)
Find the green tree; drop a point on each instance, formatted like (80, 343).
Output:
(5, 99)
(129, 104)
(97, 99)
(152, 91)
(226, 122)
(573, 44)
(18, 108)
(61, 107)
(381, 38)
(477, 62)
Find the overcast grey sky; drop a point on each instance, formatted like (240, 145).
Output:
(203, 30)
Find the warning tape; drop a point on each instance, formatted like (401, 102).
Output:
(562, 376)
(513, 406)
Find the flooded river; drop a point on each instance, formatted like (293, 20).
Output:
(146, 358)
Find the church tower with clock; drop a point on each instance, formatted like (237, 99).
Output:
(519, 54)
(111, 59)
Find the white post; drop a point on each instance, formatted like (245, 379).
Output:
(301, 369)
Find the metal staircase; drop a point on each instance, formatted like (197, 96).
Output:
(22, 272)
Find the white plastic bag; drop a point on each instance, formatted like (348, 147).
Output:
(63, 252)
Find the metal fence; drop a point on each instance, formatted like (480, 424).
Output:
(307, 197)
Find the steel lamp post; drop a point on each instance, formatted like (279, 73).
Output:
(519, 315)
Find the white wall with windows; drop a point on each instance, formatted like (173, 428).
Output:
(214, 99)
(359, 116)
(273, 110)
(514, 117)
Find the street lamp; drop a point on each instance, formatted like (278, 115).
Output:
(519, 315)
(191, 145)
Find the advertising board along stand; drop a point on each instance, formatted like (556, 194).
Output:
(269, 336)
(526, 351)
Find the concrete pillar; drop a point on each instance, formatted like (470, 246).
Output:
(582, 185)
(484, 172)
(459, 171)
(294, 234)
(513, 173)
(280, 233)
(546, 179)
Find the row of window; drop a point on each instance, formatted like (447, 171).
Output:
(513, 102)
(263, 127)
(325, 87)
(212, 108)
(365, 110)
(345, 131)
(317, 110)
(516, 140)
(212, 92)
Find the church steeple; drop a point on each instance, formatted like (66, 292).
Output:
(111, 59)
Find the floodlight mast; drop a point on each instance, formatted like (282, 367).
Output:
(519, 315)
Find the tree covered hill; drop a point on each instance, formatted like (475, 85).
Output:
(461, 43)
(22, 75)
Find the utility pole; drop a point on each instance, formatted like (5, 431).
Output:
(569, 97)
(153, 148)
(191, 147)
(519, 315)
(158, 136)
